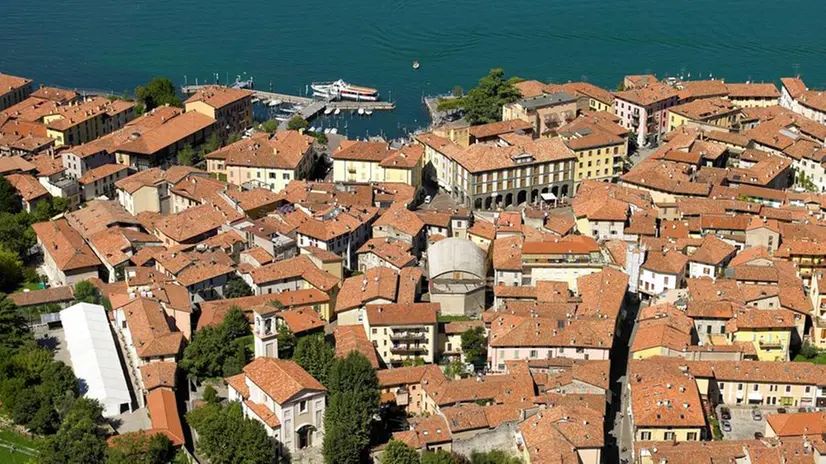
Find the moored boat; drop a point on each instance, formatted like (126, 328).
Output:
(343, 90)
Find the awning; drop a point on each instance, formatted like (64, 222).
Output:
(548, 196)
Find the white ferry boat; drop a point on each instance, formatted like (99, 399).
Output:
(344, 91)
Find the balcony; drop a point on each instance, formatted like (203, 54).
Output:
(771, 344)
(409, 349)
(408, 336)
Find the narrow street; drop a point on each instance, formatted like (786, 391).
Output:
(617, 429)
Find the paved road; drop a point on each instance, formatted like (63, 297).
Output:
(618, 433)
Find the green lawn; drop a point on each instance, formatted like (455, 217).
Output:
(9, 437)
(453, 318)
(30, 286)
(819, 359)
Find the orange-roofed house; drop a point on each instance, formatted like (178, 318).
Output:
(100, 181)
(13, 90)
(406, 384)
(662, 271)
(563, 435)
(30, 190)
(357, 161)
(644, 110)
(67, 258)
(230, 107)
(797, 97)
(563, 259)
(718, 111)
(282, 396)
(402, 332)
(770, 331)
(710, 258)
(399, 223)
(544, 112)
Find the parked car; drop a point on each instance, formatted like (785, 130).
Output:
(781, 410)
(801, 410)
(726, 426)
(758, 435)
(756, 414)
(428, 199)
(725, 413)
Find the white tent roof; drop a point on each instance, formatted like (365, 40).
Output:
(547, 196)
(95, 356)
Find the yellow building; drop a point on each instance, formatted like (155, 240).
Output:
(83, 122)
(266, 162)
(599, 99)
(711, 111)
(545, 112)
(753, 95)
(456, 131)
(232, 108)
(402, 332)
(599, 143)
(376, 162)
(770, 331)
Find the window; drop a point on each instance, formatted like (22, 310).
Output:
(739, 387)
(756, 387)
(375, 331)
(302, 407)
(788, 388)
(645, 436)
(534, 354)
(286, 176)
(668, 436)
(722, 386)
(691, 436)
(808, 389)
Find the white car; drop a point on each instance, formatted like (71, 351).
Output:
(428, 199)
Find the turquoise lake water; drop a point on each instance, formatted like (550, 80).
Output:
(116, 45)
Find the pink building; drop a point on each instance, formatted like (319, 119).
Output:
(644, 110)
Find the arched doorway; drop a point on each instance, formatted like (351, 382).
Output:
(555, 191)
(521, 197)
(488, 202)
(498, 201)
(508, 200)
(565, 190)
(477, 204)
(305, 436)
(534, 196)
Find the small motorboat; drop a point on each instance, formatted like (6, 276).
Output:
(328, 111)
(337, 111)
(368, 112)
(334, 131)
(312, 129)
(361, 110)
(415, 65)
(327, 130)
(274, 103)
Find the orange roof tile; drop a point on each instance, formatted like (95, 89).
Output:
(281, 379)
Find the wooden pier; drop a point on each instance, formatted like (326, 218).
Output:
(190, 89)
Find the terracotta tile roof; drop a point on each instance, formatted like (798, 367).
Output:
(753, 90)
(648, 94)
(402, 314)
(395, 252)
(665, 176)
(64, 244)
(409, 280)
(758, 319)
(754, 273)
(13, 164)
(797, 424)
(264, 413)
(434, 218)
(571, 244)
(533, 88)
(482, 228)
(151, 332)
(284, 150)
(54, 94)
(27, 186)
(497, 128)
(203, 270)
(44, 296)
(706, 109)
(9, 83)
(500, 388)
(698, 452)
(156, 176)
(527, 331)
(703, 89)
(171, 132)
(794, 247)
(602, 293)
(193, 222)
(280, 379)
(485, 157)
(163, 411)
(302, 320)
(671, 262)
(428, 431)
(101, 172)
(99, 215)
(47, 165)
(507, 253)
(298, 267)
(589, 90)
(705, 289)
(115, 246)
(556, 434)
(560, 224)
(406, 157)
(710, 309)
(401, 376)
(661, 396)
(402, 219)
(600, 209)
(618, 250)
(219, 96)
(69, 116)
(712, 251)
(213, 312)
(376, 283)
(353, 338)
(344, 223)
(749, 255)
(158, 374)
(239, 383)
(362, 151)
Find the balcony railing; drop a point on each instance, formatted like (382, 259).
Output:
(771, 344)
(407, 349)
(408, 336)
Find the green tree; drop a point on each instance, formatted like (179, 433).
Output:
(140, 448)
(10, 200)
(158, 92)
(315, 355)
(11, 270)
(16, 233)
(212, 143)
(187, 156)
(14, 331)
(297, 123)
(286, 342)
(454, 369)
(475, 346)
(437, 457)
(86, 292)
(80, 439)
(483, 104)
(225, 436)
(398, 452)
(269, 125)
(417, 361)
(493, 457)
(353, 390)
(210, 394)
(235, 323)
(236, 288)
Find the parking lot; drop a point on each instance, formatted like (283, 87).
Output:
(743, 425)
